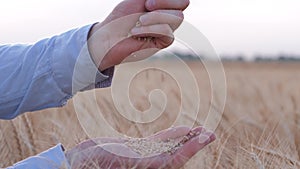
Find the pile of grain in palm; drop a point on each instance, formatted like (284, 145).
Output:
(145, 147)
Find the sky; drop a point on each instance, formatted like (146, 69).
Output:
(234, 27)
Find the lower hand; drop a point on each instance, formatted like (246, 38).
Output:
(116, 153)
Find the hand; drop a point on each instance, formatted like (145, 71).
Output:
(111, 153)
(133, 26)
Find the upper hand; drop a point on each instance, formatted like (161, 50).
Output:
(132, 26)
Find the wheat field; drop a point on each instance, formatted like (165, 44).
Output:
(260, 125)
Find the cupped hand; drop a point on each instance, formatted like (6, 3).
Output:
(135, 28)
(112, 153)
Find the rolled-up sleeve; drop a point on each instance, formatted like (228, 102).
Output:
(47, 73)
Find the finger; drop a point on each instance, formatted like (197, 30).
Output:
(171, 133)
(171, 17)
(162, 34)
(152, 5)
(157, 30)
(189, 149)
(194, 145)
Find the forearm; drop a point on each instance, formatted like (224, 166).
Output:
(47, 74)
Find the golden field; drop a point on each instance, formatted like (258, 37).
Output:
(260, 125)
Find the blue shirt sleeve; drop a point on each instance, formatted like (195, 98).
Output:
(47, 73)
(53, 158)
(44, 75)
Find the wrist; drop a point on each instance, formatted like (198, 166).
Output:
(93, 46)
